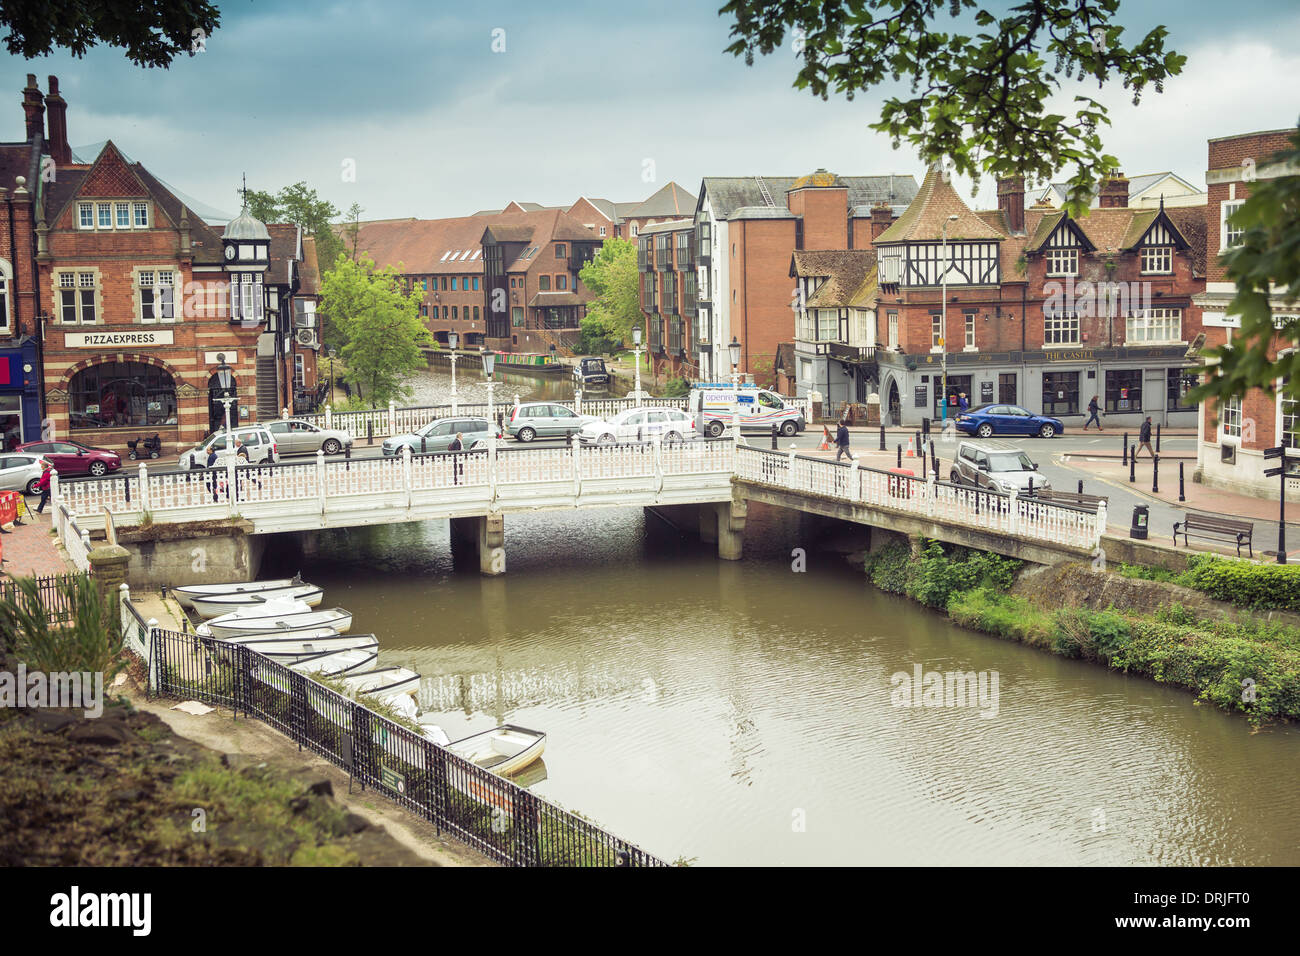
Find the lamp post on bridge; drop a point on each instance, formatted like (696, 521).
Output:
(734, 349)
(332, 355)
(226, 384)
(489, 361)
(943, 321)
(453, 340)
(636, 352)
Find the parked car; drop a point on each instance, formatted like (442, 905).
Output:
(257, 446)
(639, 424)
(294, 436)
(996, 465)
(530, 420)
(20, 472)
(73, 458)
(1001, 419)
(437, 435)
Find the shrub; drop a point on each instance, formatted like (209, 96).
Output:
(1256, 586)
(89, 640)
(676, 388)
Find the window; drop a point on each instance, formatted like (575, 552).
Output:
(1124, 390)
(121, 393)
(85, 215)
(602, 230)
(476, 283)
(970, 330)
(157, 295)
(454, 312)
(1180, 381)
(806, 371)
(1290, 409)
(424, 311)
(104, 219)
(827, 325)
(1230, 417)
(1157, 259)
(543, 283)
(1229, 234)
(475, 313)
(1062, 262)
(424, 284)
(1155, 325)
(444, 283)
(633, 230)
(446, 312)
(1060, 393)
(893, 329)
(936, 330)
(141, 210)
(560, 250)
(76, 297)
(561, 282)
(1007, 388)
(512, 282)
(1060, 328)
(299, 373)
(453, 283)
(517, 317)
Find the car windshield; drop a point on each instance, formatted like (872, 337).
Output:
(1010, 461)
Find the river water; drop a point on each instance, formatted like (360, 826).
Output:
(741, 713)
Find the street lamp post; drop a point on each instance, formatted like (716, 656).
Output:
(636, 351)
(489, 361)
(453, 340)
(332, 355)
(943, 321)
(226, 382)
(734, 349)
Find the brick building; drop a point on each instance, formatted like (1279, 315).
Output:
(615, 220)
(138, 299)
(1043, 310)
(1233, 437)
(666, 262)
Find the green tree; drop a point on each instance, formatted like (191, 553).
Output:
(152, 32)
(381, 326)
(1267, 258)
(612, 277)
(351, 231)
(302, 206)
(977, 100)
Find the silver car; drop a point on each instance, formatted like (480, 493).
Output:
(529, 420)
(639, 424)
(294, 437)
(437, 435)
(19, 472)
(996, 465)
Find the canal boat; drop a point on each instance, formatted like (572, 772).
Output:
(185, 595)
(276, 623)
(216, 605)
(590, 372)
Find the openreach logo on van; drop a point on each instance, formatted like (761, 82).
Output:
(83, 690)
(922, 688)
(77, 909)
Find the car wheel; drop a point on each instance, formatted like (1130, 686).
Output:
(1047, 431)
(672, 436)
(714, 429)
(98, 469)
(32, 487)
(789, 428)
(526, 435)
(332, 446)
(955, 477)
(605, 439)
(985, 430)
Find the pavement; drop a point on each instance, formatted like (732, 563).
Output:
(29, 547)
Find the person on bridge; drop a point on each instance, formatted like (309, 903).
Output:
(456, 444)
(1094, 410)
(842, 440)
(1144, 439)
(212, 479)
(43, 484)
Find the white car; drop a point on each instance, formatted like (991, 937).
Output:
(256, 445)
(639, 424)
(20, 472)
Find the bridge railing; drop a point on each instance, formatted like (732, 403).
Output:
(1020, 517)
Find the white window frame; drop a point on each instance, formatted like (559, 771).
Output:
(79, 283)
(936, 331)
(1157, 255)
(1229, 236)
(122, 215)
(103, 215)
(139, 214)
(1060, 328)
(970, 330)
(1230, 419)
(86, 215)
(156, 280)
(891, 326)
(1153, 325)
(1063, 261)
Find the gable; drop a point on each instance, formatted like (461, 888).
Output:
(112, 178)
(1161, 232)
(1067, 235)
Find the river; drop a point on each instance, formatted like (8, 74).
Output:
(741, 713)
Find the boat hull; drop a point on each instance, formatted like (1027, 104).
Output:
(337, 618)
(186, 594)
(209, 607)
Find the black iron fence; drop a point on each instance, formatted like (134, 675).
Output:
(493, 815)
(50, 589)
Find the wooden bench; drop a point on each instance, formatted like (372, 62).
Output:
(1070, 498)
(1215, 526)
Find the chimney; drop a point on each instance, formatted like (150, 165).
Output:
(1011, 201)
(34, 108)
(58, 139)
(1114, 193)
(881, 217)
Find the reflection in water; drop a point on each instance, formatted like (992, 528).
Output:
(698, 706)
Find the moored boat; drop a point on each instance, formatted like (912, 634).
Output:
(331, 663)
(382, 683)
(186, 594)
(503, 750)
(208, 606)
(292, 647)
(273, 623)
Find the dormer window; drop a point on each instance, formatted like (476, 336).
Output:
(1062, 262)
(109, 216)
(1157, 260)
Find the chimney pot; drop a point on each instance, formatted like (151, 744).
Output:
(1011, 201)
(58, 138)
(1114, 193)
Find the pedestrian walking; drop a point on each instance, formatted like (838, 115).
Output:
(211, 479)
(1094, 409)
(963, 402)
(456, 444)
(1144, 439)
(842, 441)
(43, 485)
(457, 466)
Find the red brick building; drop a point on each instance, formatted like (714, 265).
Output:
(665, 259)
(1233, 437)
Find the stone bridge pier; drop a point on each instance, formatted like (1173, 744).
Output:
(483, 536)
(721, 522)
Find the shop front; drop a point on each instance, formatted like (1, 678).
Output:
(20, 405)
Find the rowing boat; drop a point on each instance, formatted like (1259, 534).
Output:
(185, 595)
(217, 605)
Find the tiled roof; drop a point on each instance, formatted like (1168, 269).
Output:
(15, 160)
(285, 250)
(935, 201)
(545, 299)
(761, 212)
(727, 193)
(845, 270)
(1137, 185)
(309, 271)
(785, 357)
(424, 246)
(866, 295)
(671, 225)
(672, 200)
(1190, 221)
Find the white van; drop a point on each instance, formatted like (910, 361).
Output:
(712, 407)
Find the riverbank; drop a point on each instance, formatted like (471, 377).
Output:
(1220, 653)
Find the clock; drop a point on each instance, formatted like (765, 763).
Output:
(230, 252)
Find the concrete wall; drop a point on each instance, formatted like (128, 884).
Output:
(200, 553)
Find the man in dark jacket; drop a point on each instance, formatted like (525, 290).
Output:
(1094, 410)
(1144, 439)
(842, 441)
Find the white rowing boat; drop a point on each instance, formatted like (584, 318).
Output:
(208, 606)
(273, 623)
(503, 750)
(291, 648)
(185, 595)
(331, 663)
(382, 683)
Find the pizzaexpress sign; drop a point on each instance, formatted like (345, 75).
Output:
(140, 339)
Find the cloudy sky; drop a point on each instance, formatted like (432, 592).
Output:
(588, 98)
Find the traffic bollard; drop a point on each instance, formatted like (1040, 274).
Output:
(1155, 475)
(1157, 439)
(1080, 486)
(923, 478)
(1181, 496)
(900, 456)
(774, 436)
(1125, 448)
(934, 460)
(882, 438)
(370, 431)
(1132, 466)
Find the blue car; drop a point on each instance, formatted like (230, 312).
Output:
(992, 419)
